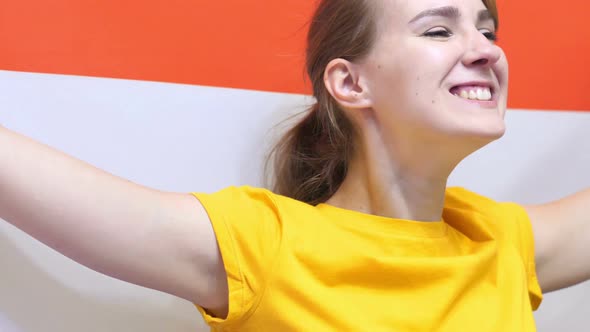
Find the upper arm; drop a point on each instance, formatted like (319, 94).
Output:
(178, 253)
(159, 240)
(164, 241)
(561, 231)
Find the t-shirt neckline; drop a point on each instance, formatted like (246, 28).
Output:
(369, 222)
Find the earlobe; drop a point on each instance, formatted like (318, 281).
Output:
(343, 82)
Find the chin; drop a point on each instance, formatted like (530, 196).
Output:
(491, 132)
(485, 135)
(490, 126)
(479, 134)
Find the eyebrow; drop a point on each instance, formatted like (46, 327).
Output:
(449, 12)
(452, 13)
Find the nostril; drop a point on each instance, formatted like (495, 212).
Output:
(481, 62)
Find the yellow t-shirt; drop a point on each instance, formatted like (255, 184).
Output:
(296, 267)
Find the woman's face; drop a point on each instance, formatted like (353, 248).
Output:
(435, 71)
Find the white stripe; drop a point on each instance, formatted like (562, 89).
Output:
(185, 138)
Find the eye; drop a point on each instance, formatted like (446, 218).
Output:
(490, 35)
(438, 32)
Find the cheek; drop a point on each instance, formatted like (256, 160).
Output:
(502, 72)
(404, 89)
(437, 62)
(407, 79)
(427, 67)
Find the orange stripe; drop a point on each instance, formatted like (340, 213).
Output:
(548, 49)
(230, 43)
(258, 44)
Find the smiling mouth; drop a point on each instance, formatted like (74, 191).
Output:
(474, 93)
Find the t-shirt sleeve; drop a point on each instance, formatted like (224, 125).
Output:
(516, 225)
(526, 246)
(247, 226)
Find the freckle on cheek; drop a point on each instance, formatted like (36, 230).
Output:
(433, 102)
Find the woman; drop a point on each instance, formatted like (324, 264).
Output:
(361, 233)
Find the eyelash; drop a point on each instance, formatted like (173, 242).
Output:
(491, 36)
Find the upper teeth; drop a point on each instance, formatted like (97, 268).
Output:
(476, 94)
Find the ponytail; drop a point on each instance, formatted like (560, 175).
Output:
(311, 160)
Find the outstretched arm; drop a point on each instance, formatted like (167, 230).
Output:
(562, 240)
(154, 239)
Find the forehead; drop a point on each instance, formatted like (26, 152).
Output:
(402, 11)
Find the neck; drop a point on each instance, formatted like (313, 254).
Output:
(398, 181)
(400, 195)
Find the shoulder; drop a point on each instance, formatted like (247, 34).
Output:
(466, 209)
(248, 202)
(459, 198)
(462, 203)
(238, 199)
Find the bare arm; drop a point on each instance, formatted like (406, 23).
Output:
(562, 240)
(154, 239)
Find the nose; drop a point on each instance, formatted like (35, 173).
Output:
(482, 52)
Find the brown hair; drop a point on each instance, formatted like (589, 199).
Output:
(311, 160)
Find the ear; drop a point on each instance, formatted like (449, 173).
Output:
(344, 82)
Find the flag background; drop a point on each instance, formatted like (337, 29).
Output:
(183, 95)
